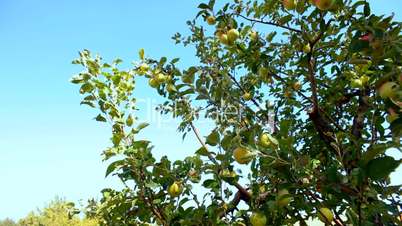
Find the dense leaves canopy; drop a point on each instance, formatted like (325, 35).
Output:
(305, 94)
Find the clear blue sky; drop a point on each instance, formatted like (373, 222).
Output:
(48, 143)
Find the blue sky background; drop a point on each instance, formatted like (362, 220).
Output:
(48, 143)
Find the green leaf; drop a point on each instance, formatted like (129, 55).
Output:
(203, 6)
(213, 138)
(141, 54)
(100, 118)
(373, 151)
(113, 166)
(380, 168)
(142, 126)
(202, 151)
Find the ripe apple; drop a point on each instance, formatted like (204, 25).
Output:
(211, 20)
(258, 219)
(324, 4)
(242, 155)
(388, 89)
(325, 215)
(175, 189)
(233, 34)
(289, 4)
(247, 96)
(281, 199)
(153, 83)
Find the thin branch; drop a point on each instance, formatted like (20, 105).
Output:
(270, 23)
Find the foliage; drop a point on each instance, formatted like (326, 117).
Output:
(308, 90)
(7, 222)
(58, 212)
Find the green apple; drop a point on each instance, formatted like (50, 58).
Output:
(289, 4)
(356, 83)
(258, 219)
(388, 89)
(233, 34)
(306, 48)
(161, 78)
(265, 141)
(253, 35)
(282, 198)
(247, 96)
(325, 215)
(153, 83)
(224, 39)
(243, 155)
(175, 189)
(211, 20)
(297, 86)
(324, 4)
(364, 79)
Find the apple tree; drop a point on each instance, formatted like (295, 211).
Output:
(304, 94)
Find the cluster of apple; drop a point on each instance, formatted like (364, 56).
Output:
(243, 155)
(225, 36)
(321, 4)
(156, 77)
(258, 218)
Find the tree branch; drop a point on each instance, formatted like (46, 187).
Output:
(270, 23)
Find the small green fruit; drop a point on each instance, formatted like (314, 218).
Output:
(325, 215)
(289, 4)
(211, 20)
(153, 83)
(224, 39)
(247, 96)
(253, 35)
(242, 155)
(233, 34)
(282, 198)
(324, 4)
(265, 141)
(356, 83)
(297, 86)
(306, 48)
(258, 219)
(175, 189)
(388, 89)
(161, 78)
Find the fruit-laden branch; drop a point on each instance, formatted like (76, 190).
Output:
(270, 23)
